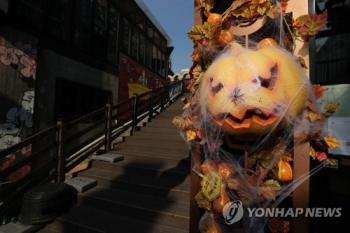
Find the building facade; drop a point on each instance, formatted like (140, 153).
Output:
(64, 59)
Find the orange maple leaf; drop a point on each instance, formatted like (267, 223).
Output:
(320, 156)
(311, 24)
(332, 142)
(319, 90)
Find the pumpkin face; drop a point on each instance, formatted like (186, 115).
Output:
(253, 92)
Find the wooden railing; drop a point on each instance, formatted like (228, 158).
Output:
(59, 148)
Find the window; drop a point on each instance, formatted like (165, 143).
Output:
(82, 24)
(129, 8)
(32, 12)
(126, 36)
(154, 57)
(149, 54)
(164, 45)
(163, 62)
(150, 29)
(156, 38)
(98, 35)
(134, 42)
(159, 59)
(112, 43)
(142, 49)
(60, 19)
(140, 20)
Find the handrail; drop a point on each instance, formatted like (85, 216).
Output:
(61, 147)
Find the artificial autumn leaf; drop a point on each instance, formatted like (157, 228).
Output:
(185, 123)
(320, 156)
(235, 4)
(313, 116)
(209, 31)
(202, 201)
(252, 9)
(232, 183)
(206, 4)
(274, 12)
(319, 90)
(312, 152)
(267, 192)
(332, 142)
(190, 135)
(272, 184)
(251, 161)
(302, 62)
(331, 162)
(196, 56)
(331, 107)
(277, 225)
(186, 105)
(327, 114)
(195, 33)
(311, 24)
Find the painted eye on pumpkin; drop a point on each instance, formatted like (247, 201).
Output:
(270, 82)
(217, 88)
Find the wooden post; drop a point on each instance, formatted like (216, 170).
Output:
(151, 106)
(108, 133)
(61, 139)
(134, 113)
(162, 102)
(195, 212)
(301, 163)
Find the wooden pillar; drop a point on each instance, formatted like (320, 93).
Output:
(301, 194)
(195, 212)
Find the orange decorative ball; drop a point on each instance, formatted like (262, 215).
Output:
(267, 42)
(225, 37)
(285, 171)
(214, 18)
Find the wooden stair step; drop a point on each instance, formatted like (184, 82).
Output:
(156, 136)
(136, 179)
(165, 156)
(160, 130)
(139, 157)
(153, 170)
(161, 142)
(137, 205)
(87, 219)
(150, 150)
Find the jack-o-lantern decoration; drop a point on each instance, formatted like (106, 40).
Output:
(253, 91)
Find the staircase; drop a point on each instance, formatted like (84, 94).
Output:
(148, 191)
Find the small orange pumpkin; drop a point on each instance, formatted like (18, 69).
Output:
(283, 171)
(253, 92)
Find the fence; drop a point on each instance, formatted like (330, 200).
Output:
(58, 149)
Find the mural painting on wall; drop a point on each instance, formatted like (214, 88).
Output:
(17, 75)
(133, 72)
